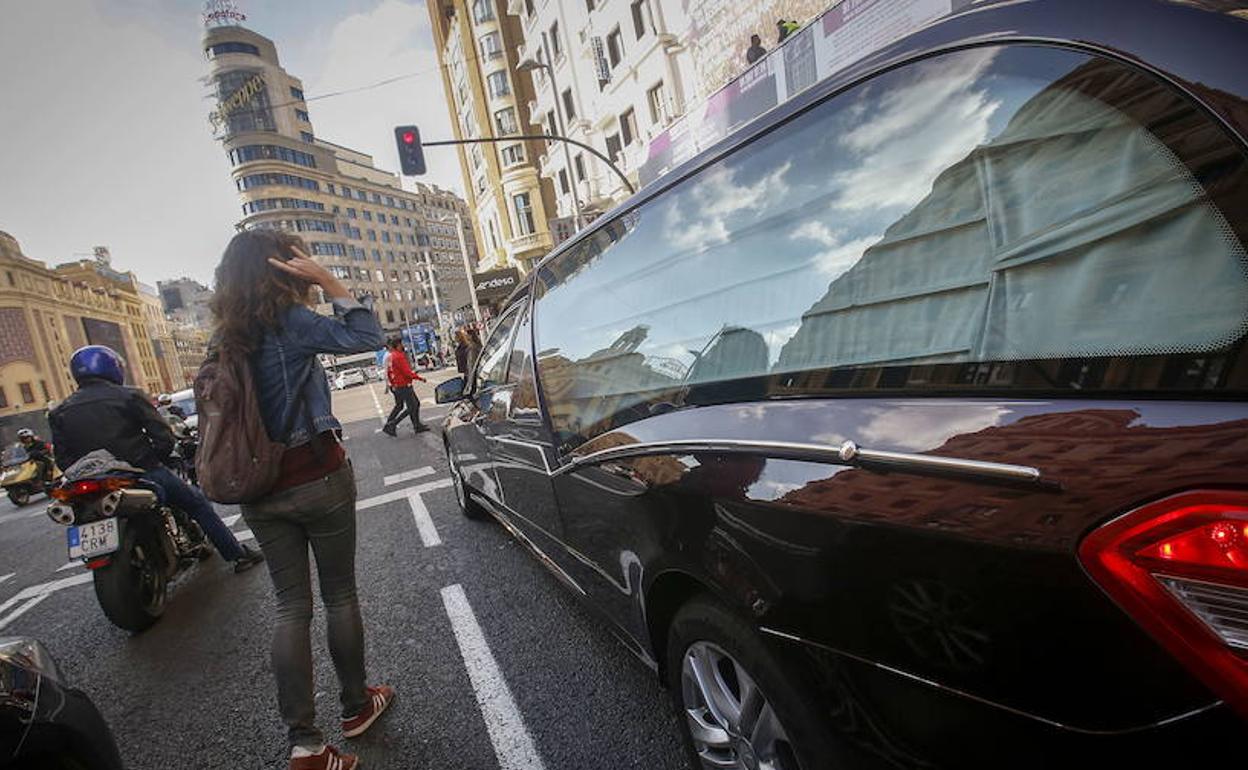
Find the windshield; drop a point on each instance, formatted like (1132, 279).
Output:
(14, 455)
(186, 404)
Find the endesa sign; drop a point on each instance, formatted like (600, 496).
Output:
(496, 284)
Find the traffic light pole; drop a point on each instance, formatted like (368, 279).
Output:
(547, 137)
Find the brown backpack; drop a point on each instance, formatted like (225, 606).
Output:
(236, 460)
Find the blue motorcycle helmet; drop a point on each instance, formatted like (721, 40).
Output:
(97, 361)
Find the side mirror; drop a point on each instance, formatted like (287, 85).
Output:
(450, 391)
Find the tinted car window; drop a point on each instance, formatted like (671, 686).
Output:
(1015, 217)
(492, 368)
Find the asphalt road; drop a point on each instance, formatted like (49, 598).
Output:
(495, 663)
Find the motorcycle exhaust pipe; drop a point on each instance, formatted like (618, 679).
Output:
(127, 501)
(61, 513)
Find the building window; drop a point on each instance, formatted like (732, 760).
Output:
(368, 215)
(28, 393)
(615, 47)
(385, 237)
(551, 126)
(372, 236)
(613, 147)
(297, 93)
(639, 20)
(307, 137)
(213, 52)
(556, 46)
(302, 115)
(271, 152)
(628, 127)
(563, 181)
(482, 11)
(350, 213)
(393, 219)
(261, 180)
(524, 213)
(528, 8)
(491, 46)
(498, 83)
(579, 163)
(658, 105)
(569, 107)
(513, 154)
(505, 121)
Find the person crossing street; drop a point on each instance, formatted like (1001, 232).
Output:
(400, 376)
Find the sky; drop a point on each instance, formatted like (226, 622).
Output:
(105, 140)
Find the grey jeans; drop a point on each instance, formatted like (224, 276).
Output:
(320, 513)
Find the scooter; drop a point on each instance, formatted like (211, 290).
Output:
(20, 477)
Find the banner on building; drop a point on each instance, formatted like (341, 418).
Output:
(495, 285)
(845, 33)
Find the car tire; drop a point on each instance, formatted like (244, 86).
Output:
(467, 506)
(733, 659)
(19, 496)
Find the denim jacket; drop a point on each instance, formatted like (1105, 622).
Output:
(284, 355)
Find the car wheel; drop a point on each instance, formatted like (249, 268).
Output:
(19, 496)
(739, 705)
(467, 506)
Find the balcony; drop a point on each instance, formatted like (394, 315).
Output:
(522, 244)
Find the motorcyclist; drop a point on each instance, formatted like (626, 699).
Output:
(38, 452)
(172, 413)
(104, 414)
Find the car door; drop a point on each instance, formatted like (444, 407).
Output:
(468, 441)
(521, 446)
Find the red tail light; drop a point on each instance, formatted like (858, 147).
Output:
(1179, 567)
(88, 487)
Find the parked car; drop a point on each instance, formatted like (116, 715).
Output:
(44, 723)
(185, 401)
(907, 428)
(349, 377)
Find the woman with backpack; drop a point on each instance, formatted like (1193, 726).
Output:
(264, 289)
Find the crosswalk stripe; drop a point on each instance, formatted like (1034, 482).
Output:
(412, 475)
(424, 523)
(6, 577)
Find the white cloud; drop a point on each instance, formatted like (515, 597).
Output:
(839, 255)
(716, 197)
(915, 133)
(105, 141)
(393, 38)
(921, 429)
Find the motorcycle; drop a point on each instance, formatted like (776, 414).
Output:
(182, 461)
(20, 476)
(132, 542)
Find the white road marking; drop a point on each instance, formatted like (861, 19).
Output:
(424, 524)
(6, 577)
(229, 520)
(381, 413)
(400, 494)
(17, 613)
(244, 534)
(512, 743)
(50, 587)
(69, 565)
(412, 475)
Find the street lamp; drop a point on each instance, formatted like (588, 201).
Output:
(528, 65)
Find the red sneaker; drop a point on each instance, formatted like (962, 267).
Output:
(379, 699)
(328, 759)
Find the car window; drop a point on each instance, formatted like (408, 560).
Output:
(520, 372)
(492, 366)
(1016, 217)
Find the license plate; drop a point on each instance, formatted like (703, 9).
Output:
(94, 539)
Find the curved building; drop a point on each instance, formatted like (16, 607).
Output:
(373, 235)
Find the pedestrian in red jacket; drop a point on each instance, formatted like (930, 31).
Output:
(400, 376)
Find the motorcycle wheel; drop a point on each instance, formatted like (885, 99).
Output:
(19, 496)
(131, 590)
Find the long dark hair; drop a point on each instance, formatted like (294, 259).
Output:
(250, 294)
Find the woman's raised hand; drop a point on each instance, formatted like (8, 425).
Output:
(310, 270)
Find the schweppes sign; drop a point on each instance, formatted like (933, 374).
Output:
(236, 101)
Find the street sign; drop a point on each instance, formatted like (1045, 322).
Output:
(561, 229)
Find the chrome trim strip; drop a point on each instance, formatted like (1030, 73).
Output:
(847, 453)
(963, 693)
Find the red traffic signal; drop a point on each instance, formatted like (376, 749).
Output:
(411, 154)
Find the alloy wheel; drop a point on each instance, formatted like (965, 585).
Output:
(732, 724)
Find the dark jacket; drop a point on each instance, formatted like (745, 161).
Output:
(101, 415)
(37, 449)
(285, 355)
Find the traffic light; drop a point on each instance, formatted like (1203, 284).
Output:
(411, 154)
